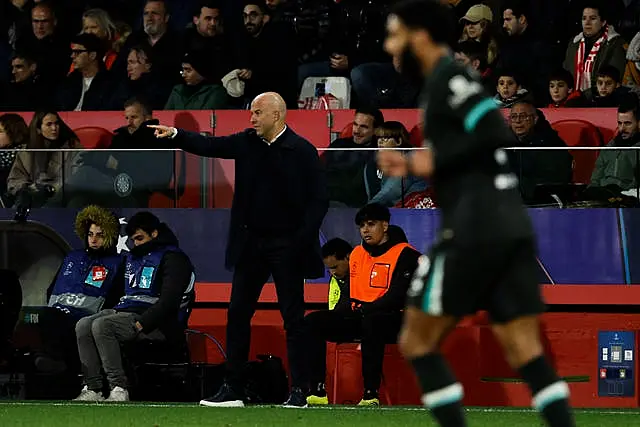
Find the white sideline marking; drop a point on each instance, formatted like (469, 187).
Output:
(311, 408)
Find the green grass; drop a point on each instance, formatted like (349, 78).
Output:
(35, 414)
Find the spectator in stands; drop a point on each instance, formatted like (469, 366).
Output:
(474, 55)
(629, 23)
(267, 57)
(335, 256)
(37, 176)
(143, 81)
(390, 190)
(15, 21)
(534, 167)
(87, 281)
(616, 171)
(477, 27)
(396, 92)
(159, 290)
(164, 43)
(26, 91)
(596, 46)
(14, 133)
(509, 89)
(199, 90)
(207, 36)
(632, 70)
(381, 269)
(131, 168)
(345, 166)
(562, 92)
(46, 44)
(88, 87)
(99, 23)
(608, 93)
(524, 50)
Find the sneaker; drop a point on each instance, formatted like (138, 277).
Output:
(370, 398)
(87, 395)
(118, 394)
(226, 397)
(318, 396)
(297, 399)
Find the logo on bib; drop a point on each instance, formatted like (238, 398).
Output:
(145, 277)
(96, 276)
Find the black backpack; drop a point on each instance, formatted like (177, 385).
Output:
(10, 305)
(267, 380)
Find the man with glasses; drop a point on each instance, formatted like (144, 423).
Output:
(535, 167)
(87, 88)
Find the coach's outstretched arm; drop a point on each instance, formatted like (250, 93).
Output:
(225, 147)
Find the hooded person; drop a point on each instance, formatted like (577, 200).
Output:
(198, 91)
(88, 280)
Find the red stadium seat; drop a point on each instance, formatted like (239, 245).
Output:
(347, 131)
(94, 137)
(416, 136)
(580, 133)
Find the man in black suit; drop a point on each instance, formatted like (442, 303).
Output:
(278, 206)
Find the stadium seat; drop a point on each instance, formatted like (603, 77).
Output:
(416, 136)
(340, 87)
(347, 131)
(94, 137)
(580, 133)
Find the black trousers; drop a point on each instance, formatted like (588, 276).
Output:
(58, 332)
(374, 332)
(279, 257)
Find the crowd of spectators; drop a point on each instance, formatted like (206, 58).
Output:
(63, 55)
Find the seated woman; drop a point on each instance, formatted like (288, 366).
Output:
(14, 133)
(390, 190)
(38, 175)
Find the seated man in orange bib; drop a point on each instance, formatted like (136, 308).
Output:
(380, 271)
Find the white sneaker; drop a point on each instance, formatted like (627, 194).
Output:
(118, 394)
(87, 395)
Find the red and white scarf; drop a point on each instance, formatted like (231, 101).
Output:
(585, 63)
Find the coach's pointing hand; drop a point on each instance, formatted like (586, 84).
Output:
(163, 131)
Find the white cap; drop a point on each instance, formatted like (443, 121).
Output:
(233, 84)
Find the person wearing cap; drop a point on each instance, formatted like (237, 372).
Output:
(380, 271)
(198, 92)
(477, 22)
(88, 87)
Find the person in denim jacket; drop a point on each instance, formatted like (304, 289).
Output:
(390, 190)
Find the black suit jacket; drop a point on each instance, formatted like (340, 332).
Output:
(305, 188)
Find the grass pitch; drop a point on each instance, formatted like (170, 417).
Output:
(55, 414)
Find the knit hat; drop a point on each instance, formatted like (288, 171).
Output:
(233, 84)
(199, 62)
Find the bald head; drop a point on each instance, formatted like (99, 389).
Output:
(268, 114)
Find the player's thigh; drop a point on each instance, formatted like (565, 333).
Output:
(520, 339)
(422, 333)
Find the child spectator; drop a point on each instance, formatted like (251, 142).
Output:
(562, 92)
(608, 92)
(509, 89)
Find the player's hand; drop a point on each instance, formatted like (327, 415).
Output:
(162, 131)
(393, 163)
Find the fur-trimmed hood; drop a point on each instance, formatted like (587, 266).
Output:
(109, 223)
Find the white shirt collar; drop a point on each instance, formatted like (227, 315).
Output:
(275, 138)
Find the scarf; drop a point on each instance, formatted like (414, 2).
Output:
(585, 63)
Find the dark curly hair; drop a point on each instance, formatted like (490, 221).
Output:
(16, 129)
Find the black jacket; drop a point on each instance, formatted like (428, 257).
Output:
(535, 167)
(304, 189)
(345, 172)
(97, 98)
(407, 263)
(174, 274)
